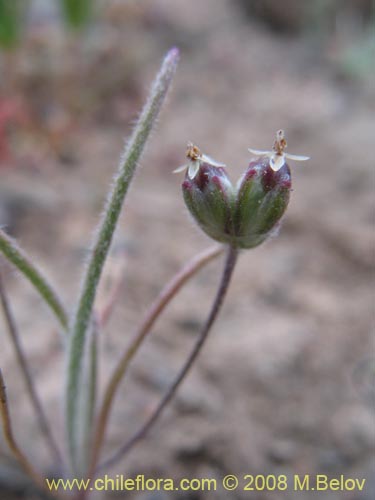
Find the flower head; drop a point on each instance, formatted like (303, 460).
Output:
(196, 159)
(277, 156)
(244, 215)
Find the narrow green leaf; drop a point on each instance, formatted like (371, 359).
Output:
(128, 163)
(19, 259)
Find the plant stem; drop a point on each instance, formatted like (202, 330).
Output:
(19, 259)
(157, 307)
(88, 398)
(9, 437)
(104, 314)
(21, 358)
(128, 163)
(230, 262)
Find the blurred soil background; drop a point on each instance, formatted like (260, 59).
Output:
(285, 383)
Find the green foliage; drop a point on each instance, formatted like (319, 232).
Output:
(10, 21)
(77, 13)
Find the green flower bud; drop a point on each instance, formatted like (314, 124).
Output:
(262, 198)
(246, 215)
(210, 199)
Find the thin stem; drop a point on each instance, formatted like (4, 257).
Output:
(18, 258)
(93, 376)
(104, 314)
(230, 262)
(128, 163)
(25, 369)
(88, 399)
(157, 307)
(9, 437)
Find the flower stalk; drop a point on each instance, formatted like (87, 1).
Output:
(12, 443)
(229, 266)
(164, 298)
(26, 372)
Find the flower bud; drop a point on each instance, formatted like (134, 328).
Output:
(246, 215)
(262, 198)
(210, 198)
